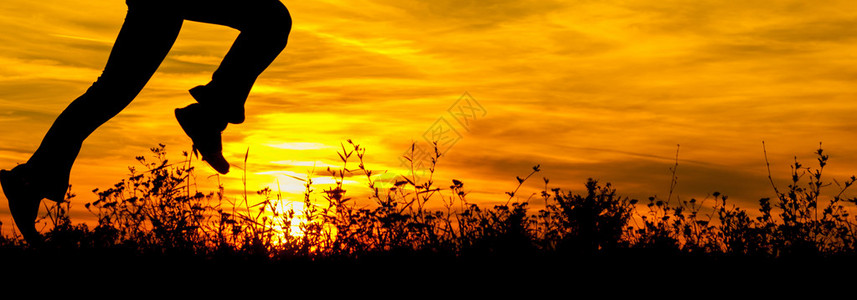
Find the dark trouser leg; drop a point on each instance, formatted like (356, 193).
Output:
(264, 26)
(144, 40)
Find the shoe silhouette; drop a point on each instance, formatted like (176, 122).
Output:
(24, 199)
(205, 132)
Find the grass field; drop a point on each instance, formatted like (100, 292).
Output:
(155, 215)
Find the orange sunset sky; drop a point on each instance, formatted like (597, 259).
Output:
(602, 89)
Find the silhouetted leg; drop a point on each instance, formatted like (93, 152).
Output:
(264, 26)
(144, 40)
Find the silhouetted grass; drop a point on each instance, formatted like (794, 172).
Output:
(157, 213)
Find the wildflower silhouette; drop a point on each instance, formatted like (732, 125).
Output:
(148, 33)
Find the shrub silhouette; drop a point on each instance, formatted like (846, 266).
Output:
(586, 224)
(158, 211)
(155, 208)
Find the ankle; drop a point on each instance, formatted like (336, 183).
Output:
(32, 178)
(226, 104)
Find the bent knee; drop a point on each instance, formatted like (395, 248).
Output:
(281, 21)
(273, 18)
(147, 5)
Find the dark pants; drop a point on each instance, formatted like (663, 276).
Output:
(149, 31)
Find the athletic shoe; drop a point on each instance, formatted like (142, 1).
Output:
(204, 131)
(24, 200)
